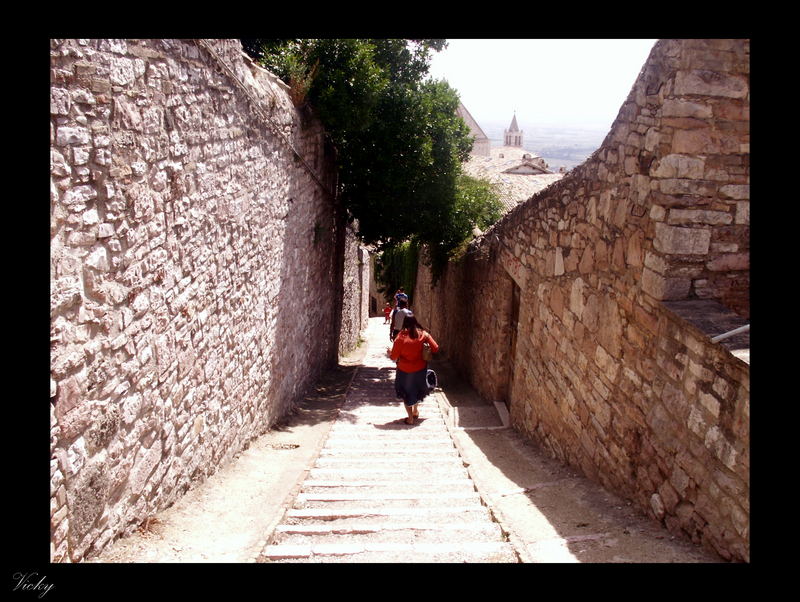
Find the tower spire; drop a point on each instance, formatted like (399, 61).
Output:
(513, 135)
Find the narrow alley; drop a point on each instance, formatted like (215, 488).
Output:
(219, 393)
(344, 479)
(385, 491)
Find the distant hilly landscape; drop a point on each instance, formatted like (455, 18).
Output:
(566, 146)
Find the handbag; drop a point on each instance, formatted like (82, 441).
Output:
(430, 378)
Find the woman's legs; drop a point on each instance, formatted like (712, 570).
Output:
(411, 414)
(411, 387)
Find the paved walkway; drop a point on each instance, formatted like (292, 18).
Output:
(385, 491)
(458, 486)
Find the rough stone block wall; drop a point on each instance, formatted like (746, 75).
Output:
(596, 364)
(356, 282)
(470, 309)
(193, 239)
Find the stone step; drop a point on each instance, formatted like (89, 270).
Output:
(367, 400)
(398, 437)
(389, 469)
(381, 501)
(410, 532)
(365, 440)
(487, 552)
(382, 445)
(382, 496)
(389, 491)
(391, 421)
(387, 416)
(386, 460)
(352, 485)
(396, 424)
(454, 513)
(347, 473)
(361, 400)
(426, 439)
(427, 471)
(390, 453)
(370, 499)
(372, 402)
(359, 520)
(419, 487)
(363, 527)
(371, 407)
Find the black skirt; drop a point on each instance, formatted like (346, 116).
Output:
(412, 387)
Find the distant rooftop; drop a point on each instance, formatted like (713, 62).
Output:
(481, 141)
(513, 188)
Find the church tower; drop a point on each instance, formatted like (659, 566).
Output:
(513, 135)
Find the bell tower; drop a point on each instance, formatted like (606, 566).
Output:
(513, 135)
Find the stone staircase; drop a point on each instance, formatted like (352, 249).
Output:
(385, 491)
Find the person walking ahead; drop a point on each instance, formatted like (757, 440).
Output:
(398, 315)
(411, 377)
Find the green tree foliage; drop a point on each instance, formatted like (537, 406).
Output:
(396, 266)
(476, 206)
(399, 141)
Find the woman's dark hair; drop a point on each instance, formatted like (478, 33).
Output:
(410, 323)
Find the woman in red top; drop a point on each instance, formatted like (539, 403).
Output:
(411, 378)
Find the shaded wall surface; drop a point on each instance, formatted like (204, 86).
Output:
(590, 308)
(194, 236)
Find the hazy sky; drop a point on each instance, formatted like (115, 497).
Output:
(546, 81)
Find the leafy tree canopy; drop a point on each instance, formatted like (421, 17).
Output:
(400, 143)
(396, 266)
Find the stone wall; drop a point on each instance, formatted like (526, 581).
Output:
(356, 284)
(194, 239)
(580, 308)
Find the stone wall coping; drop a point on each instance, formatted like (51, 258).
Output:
(713, 319)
